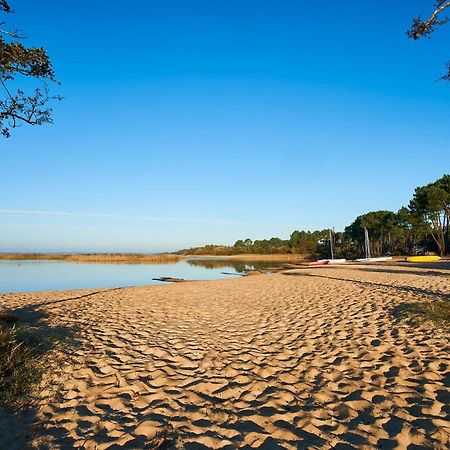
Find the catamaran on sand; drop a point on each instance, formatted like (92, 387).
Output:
(333, 260)
(368, 258)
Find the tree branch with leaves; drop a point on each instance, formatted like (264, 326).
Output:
(424, 28)
(16, 61)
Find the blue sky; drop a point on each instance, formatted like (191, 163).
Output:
(194, 122)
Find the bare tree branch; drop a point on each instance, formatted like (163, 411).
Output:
(11, 34)
(16, 60)
(422, 28)
(4, 6)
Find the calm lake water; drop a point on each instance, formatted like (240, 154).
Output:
(40, 275)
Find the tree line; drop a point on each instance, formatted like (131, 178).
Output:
(422, 226)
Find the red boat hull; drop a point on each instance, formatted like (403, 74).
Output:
(318, 263)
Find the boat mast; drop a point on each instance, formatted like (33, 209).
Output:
(331, 243)
(366, 243)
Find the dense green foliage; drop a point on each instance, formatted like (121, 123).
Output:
(431, 203)
(421, 227)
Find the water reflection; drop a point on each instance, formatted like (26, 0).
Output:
(42, 275)
(236, 265)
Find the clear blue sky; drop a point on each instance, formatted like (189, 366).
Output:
(193, 122)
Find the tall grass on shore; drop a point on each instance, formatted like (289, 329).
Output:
(21, 365)
(26, 342)
(96, 257)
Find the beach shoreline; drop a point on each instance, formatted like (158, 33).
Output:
(321, 357)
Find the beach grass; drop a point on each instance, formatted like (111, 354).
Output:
(23, 350)
(20, 364)
(437, 312)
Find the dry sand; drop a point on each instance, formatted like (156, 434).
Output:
(316, 359)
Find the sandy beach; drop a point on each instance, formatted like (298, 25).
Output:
(316, 359)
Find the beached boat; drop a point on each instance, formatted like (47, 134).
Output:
(368, 258)
(423, 258)
(373, 260)
(321, 262)
(333, 260)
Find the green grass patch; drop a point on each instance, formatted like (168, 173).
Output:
(437, 311)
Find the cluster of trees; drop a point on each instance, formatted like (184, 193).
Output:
(262, 247)
(390, 233)
(423, 226)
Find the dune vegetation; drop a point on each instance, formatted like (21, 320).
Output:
(20, 361)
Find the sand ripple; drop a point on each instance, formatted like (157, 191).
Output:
(311, 360)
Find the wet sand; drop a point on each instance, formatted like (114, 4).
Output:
(315, 359)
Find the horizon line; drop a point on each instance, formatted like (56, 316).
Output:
(38, 213)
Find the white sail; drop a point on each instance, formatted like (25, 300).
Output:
(368, 258)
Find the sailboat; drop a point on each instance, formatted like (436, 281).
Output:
(368, 258)
(333, 260)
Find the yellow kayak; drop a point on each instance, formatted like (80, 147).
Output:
(423, 258)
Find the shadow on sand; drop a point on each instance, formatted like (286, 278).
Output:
(435, 270)
(408, 289)
(21, 420)
(78, 297)
(437, 265)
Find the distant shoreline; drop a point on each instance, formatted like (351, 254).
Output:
(136, 257)
(256, 257)
(93, 257)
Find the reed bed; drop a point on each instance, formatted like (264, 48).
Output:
(96, 257)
